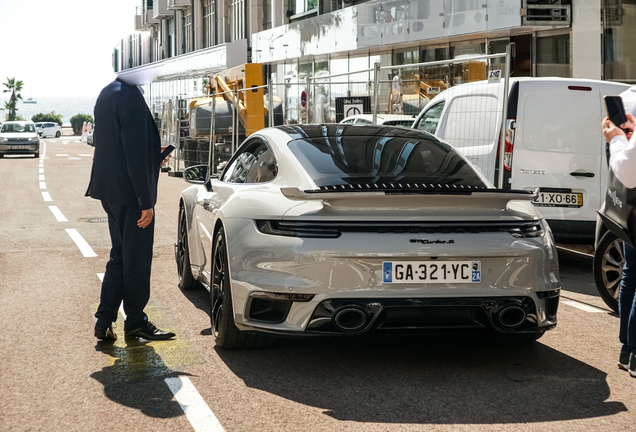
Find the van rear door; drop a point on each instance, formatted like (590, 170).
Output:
(558, 148)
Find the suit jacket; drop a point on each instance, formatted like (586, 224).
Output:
(127, 148)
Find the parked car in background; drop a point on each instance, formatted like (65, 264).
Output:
(553, 142)
(19, 137)
(38, 126)
(339, 230)
(382, 119)
(89, 138)
(50, 129)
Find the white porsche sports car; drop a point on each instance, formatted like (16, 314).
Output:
(339, 230)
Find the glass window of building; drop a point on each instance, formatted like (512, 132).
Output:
(209, 19)
(468, 71)
(186, 27)
(266, 14)
(171, 45)
(302, 6)
(237, 15)
(553, 56)
(619, 22)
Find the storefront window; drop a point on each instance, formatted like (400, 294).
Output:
(471, 71)
(620, 38)
(553, 56)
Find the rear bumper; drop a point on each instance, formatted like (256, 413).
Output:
(355, 316)
(568, 231)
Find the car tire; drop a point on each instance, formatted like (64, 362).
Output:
(608, 268)
(187, 281)
(58, 134)
(225, 332)
(36, 155)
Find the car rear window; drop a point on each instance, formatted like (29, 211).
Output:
(382, 158)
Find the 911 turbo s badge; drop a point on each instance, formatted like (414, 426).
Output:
(427, 241)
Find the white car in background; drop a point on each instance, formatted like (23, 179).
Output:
(19, 137)
(340, 230)
(382, 119)
(49, 130)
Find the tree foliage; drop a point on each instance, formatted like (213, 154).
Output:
(14, 87)
(50, 117)
(77, 121)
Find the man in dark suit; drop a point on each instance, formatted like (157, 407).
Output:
(124, 177)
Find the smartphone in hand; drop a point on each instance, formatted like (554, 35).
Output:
(165, 153)
(615, 110)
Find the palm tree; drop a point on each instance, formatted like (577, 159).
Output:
(14, 87)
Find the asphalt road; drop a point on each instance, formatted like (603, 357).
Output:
(55, 377)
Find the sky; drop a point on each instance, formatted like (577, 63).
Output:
(62, 48)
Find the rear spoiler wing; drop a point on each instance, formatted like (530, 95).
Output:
(296, 194)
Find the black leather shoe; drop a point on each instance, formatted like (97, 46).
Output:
(149, 331)
(105, 333)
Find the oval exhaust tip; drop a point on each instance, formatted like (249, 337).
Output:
(512, 316)
(350, 319)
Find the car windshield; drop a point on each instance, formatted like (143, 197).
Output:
(17, 128)
(374, 155)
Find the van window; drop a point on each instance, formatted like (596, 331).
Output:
(562, 122)
(428, 122)
(472, 121)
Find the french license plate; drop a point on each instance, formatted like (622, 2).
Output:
(559, 199)
(17, 147)
(428, 272)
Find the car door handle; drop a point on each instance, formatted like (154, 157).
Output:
(582, 174)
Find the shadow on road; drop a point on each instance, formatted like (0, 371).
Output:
(430, 380)
(136, 379)
(577, 274)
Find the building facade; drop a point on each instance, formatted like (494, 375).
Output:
(178, 44)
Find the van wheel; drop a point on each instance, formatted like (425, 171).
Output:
(608, 268)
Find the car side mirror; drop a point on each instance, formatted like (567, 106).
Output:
(198, 174)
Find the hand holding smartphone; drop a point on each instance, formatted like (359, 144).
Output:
(616, 111)
(165, 153)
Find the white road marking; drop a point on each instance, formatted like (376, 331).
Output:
(65, 142)
(46, 196)
(62, 154)
(41, 169)
(42, 185)
(42, 176)
(121, 305)
(74, 158)
(83, 246)
(58, 214)
(85, 155)
(43, 152)
(196, 410)
(582, 306)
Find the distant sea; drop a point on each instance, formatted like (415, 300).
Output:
(67, 106)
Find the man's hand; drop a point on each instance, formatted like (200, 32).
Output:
(610, 130)
(146, 218)
(165, 161)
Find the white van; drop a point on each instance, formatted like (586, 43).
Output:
(553, 142)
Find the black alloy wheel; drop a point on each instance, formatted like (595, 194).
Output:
(182, 255)
(608, 268)
(225, 332)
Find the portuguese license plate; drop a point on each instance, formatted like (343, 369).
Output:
(559, 199)
(16, 147)
(429, 272)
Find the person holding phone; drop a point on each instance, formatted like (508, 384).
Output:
(622, 160)
(124, 178)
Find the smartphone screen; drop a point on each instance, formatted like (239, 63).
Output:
(615, 110)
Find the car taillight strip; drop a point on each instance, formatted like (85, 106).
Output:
(335, 229)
